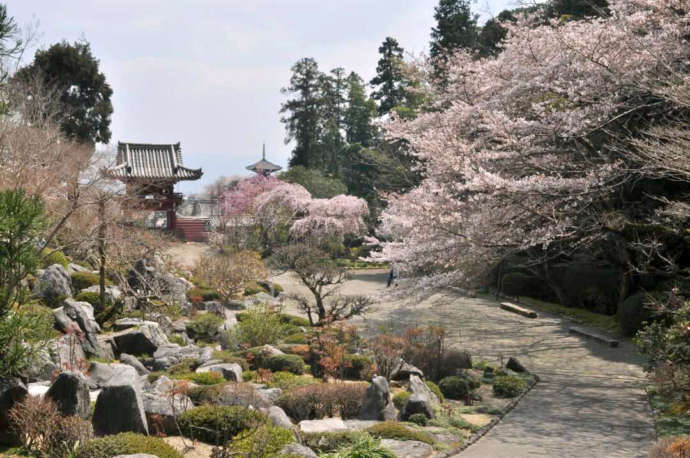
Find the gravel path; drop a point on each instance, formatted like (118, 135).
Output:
(590, 401)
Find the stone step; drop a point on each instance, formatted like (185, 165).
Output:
(510, 307)
(594, 336)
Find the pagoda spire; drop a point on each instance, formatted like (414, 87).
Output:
(263, 152)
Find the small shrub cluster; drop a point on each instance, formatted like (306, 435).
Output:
(670, 447)
(396, 430)
(287, 381)
(400, 399)
(364, 447)
(82, 280)
(359, 367)
(263, 442)
(228, 357)
(257, 326)
(329, 442)
(288, 363)
(50, 257)
(217, 424)
(226, 394)
(418, 419)
(202, 378)
(435, 389)
(324, 400)
(197, 295)
(297, 338)
(204, 326)
(509, 386)
(126, 444)
(454, 387)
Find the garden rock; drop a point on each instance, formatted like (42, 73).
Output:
(72, 267)
(404, 370)
(271, 394)
(143, 339)
(82, 314)
(42, 367)
(377, 402)
(170, 354)
(324, 425)
(119, 408)
(408, 449)
(127, 323)
(279, 418)
(229, 371)
(12, 390)
(514, 365)
(270, 350)
(103, 375)
(297, 450)
(67, 353)
(54, 284)
(112, 293)
(163, 408)
(422, 400)
(134, 362)
(70, 393)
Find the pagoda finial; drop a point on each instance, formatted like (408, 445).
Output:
(263, 153)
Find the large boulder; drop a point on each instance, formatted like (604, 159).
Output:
(54, 284)
(279, 418)
(119, 408)
(67, 353)
(82, 314)
(134, 362)
(229, 371)
(514, 365)
(422, 400)
(377, 403)
(102, 375)
(296, 449)
(324, 425)
(70, 393)
(170, 354)
(148, 275)
(408, 449)
(12, 390)
(163, 408)
(145, 338)
(404, 370)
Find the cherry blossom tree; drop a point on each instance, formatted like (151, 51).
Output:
(527, 153)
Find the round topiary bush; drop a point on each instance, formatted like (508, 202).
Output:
(509, 386)
(204, 326)
(419, 419)
(358, 367)
(287, 363)
(218, 424)
(398, 431)
(454, 387)
(264, 442)
(126, 444)
(50, 257)
(400, 399)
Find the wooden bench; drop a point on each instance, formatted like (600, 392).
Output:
(593, 335)
(510, 307)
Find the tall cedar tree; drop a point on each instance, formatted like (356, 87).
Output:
(360, 113)
(577, 8)
(332, 107)
(11, 45)
(84, 92)
(302, 113)
(456, 27)
(493, 33)
(388, 83)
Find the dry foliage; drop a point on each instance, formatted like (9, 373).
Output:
(231, 274)
(387, 350)
(324, 400)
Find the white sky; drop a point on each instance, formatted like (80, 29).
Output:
(208, 73)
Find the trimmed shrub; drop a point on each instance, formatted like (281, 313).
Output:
(255, 288)
(435, 389)
(473, 381)
(287, 381)
(205, 294)
(453, 362)
(288, 363)
(632, 312)
(324, 400)
(204, 327)
(277, 289)
(50, 257)
(418, 419)
(217, 424)
(509, 386)
(257, 327)
(202, 378)
(294, 320)
(297, 338)
(82, 280)
(184, 367)
(454, 387)
(177, 339)
(264, 442)
(358, 367)
(398, 431)
(126, 444)
(227, 394)
(400, 399)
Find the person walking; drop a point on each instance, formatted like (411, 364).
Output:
(391, 276)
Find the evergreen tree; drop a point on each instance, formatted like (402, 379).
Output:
(332, 107)
(11, 45)
(493, 33)
(359, 114)
(576, 8)
(388, 82)
(84, 92)
(302, 113)
(456, 27)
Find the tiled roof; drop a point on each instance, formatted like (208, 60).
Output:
(147, 161)
(263, 164)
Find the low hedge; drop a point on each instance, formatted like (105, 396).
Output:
(83, 280)
(294, 320)
(398, 431)
(204, 326)
(358, 367)
(329, 442)
(299, 338)
(324, 400)
(509, 386)
(50, 257)
(287, 363)
(218, 424)
(202, 378)
(126, 444)
(264, 442)
(205, 294)
(287, 381)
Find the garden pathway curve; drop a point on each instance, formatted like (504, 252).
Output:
(589, 403)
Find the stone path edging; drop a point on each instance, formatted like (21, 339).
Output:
(485, 429)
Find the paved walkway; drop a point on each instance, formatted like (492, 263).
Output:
(590, 401)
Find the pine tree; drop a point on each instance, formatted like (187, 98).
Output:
(387, 84)
(332, 108)
(302, 113)
(456, 27)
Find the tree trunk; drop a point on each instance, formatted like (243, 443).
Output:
(101, 252)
